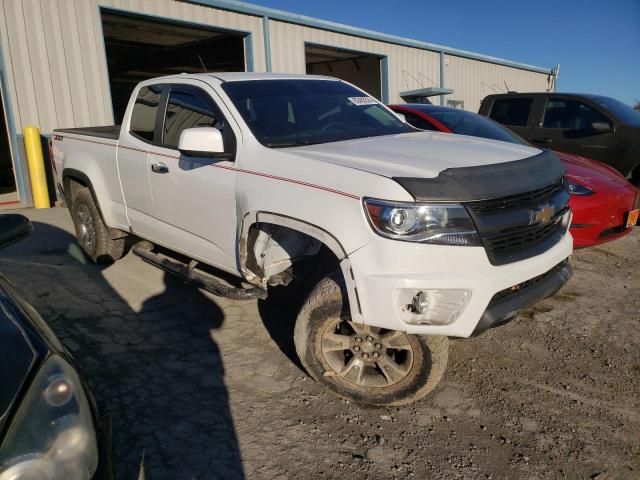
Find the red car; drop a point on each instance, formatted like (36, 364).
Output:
(604, 203)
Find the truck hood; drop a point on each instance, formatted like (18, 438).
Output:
(419, 154)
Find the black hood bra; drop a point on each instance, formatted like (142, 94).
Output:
(467, 184)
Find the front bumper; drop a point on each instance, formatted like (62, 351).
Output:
(507, 304)
(385, 267)
(601, 217)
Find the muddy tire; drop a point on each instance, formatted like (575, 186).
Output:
(361, 363)
(93, 235)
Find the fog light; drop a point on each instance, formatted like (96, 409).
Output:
(431, 307)
(420, 303)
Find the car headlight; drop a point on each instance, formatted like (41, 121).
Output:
(443, 224)
(52, 436)
(577, 189)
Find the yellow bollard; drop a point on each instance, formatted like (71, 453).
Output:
(35, 159)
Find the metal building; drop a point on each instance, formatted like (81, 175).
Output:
(66, 63)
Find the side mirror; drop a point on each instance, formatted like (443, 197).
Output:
(401, 116)
(13, 228)
(201, 142)
(600, 127)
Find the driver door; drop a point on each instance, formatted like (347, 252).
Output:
(194, 198)
(566, 127)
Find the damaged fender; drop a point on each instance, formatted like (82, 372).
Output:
(266, 256)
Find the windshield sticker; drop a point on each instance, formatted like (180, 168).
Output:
(362, 100)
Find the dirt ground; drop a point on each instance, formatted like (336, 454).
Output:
(204, 388)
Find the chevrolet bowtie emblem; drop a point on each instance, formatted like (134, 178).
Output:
(543, 215)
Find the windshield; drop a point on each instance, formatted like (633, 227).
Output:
(288, 113)
(474, 125)
(623, 112)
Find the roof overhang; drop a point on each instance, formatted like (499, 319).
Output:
(411, 96)
(284, 16)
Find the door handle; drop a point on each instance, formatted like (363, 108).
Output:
(543, 140)
(159, 167)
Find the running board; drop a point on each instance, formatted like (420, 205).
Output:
(208, 282)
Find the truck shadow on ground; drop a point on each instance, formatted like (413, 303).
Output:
(279, 312)
(157, 371)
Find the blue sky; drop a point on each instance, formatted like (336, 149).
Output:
(596, 42)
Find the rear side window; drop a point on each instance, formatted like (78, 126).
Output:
(189, 107)
(511, 111)
(571, 115)
(145, 110)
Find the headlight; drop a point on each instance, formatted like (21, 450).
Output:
(443, 224)
(52, 436)
(577, 189)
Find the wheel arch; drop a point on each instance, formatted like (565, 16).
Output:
(298, 226)
(71, 174)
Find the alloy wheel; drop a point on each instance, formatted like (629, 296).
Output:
(366, 356)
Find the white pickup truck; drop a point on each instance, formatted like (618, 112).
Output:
(417, 236)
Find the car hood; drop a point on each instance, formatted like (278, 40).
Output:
(593, 174)
(19, 354)
(419, 154)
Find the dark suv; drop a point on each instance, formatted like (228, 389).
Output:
(592, 126)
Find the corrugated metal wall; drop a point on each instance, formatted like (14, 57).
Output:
(409, 68)
(472, 80)
(57, 75)
(54, 66)
(55, 61)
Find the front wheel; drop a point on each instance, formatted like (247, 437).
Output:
(362, 363)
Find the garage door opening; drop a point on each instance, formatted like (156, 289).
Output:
(139, 48)
(8, 192)
(361, 69)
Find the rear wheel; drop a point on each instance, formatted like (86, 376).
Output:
(363, 363)
(93, 235)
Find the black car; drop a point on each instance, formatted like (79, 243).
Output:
(49, 426)
(592, 126)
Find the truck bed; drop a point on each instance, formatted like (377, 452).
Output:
(112, 132)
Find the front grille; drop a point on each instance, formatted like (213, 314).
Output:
(613, 231)
(500, 246)
(516, 289)
(516, 201)
(505, 228)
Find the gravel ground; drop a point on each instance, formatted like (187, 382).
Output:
(201, 387)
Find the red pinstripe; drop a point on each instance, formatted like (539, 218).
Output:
(290, 180)
(239, 170)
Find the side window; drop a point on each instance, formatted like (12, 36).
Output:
(511, 111)
(189, 107)
(418, 122)
(571, 115)
(143, 115)
(455, 104)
